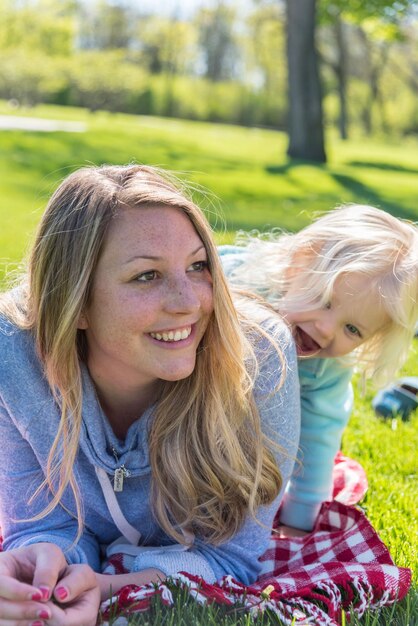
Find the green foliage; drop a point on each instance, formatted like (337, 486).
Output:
(30, 83)
(266, 47)
(359, 10)
(106, 80)
(98, 80)
(44, 27)
(166, 45)
(220, 64)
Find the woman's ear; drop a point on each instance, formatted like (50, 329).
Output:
(82, 323)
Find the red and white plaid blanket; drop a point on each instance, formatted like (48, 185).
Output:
(341, 565)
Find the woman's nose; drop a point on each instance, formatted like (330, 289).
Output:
(182, 297)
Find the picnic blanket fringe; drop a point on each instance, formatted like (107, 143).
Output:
(322, 605)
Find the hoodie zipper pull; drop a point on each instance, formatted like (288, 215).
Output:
(118, 480)
(119, 475)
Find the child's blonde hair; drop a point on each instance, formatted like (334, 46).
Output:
(349, 239)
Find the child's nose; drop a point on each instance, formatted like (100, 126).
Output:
(326, 326)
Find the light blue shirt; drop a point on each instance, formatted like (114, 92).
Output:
(29, 419)
(326, 405)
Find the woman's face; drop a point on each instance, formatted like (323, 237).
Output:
(151, 300)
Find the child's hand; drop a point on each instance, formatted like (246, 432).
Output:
(286, 532)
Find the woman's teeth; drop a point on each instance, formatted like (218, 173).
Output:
(172, 335)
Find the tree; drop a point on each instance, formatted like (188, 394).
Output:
(217, 45)
(41, 25)
(305, 97)
(382, 17)
(334, 53)
(105, 25)
(305, 121)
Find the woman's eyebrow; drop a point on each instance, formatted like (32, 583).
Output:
(142, 256)
(150, 257)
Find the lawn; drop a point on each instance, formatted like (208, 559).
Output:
(250, 184)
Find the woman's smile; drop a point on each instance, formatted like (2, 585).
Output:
(174, 335)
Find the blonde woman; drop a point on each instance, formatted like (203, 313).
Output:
(347, 284)
(135, 402)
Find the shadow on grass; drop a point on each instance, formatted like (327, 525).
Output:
(361, 193)
(291, 164)
(364, 194)
(390, 167)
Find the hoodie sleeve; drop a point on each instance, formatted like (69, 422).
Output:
(20, 475)
(326, 405)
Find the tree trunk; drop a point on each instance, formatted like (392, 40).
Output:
(375, 97)
(342, 77)
(376, 83)
(305, 125)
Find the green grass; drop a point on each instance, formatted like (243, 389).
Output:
(252, 185)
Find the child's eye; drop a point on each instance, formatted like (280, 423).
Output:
(147, 277)
(328, 305)
(199, 266)
(353, 330)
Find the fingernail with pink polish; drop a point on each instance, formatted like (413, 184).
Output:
(37, 623)
(45, 592)
(37, 596)
(61, 593)
(44, 614)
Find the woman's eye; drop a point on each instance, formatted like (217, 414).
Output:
(146, 277)
(327, 305)
(353, 330)
(199, 266)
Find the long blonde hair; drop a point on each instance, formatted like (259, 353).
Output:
(211, 464)
(349, 239)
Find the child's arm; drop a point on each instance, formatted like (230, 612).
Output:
(326, 404)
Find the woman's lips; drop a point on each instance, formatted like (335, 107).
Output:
(305, 345)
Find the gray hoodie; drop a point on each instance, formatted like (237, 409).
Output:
(29, 418)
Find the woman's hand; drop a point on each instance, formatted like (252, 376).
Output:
(37, 585)
(78, 596)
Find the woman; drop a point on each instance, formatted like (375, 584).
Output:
(135, 402)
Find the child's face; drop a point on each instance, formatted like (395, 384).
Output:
(353, 316)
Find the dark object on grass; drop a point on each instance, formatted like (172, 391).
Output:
(399, 398)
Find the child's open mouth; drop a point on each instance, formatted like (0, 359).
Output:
(305, 345)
